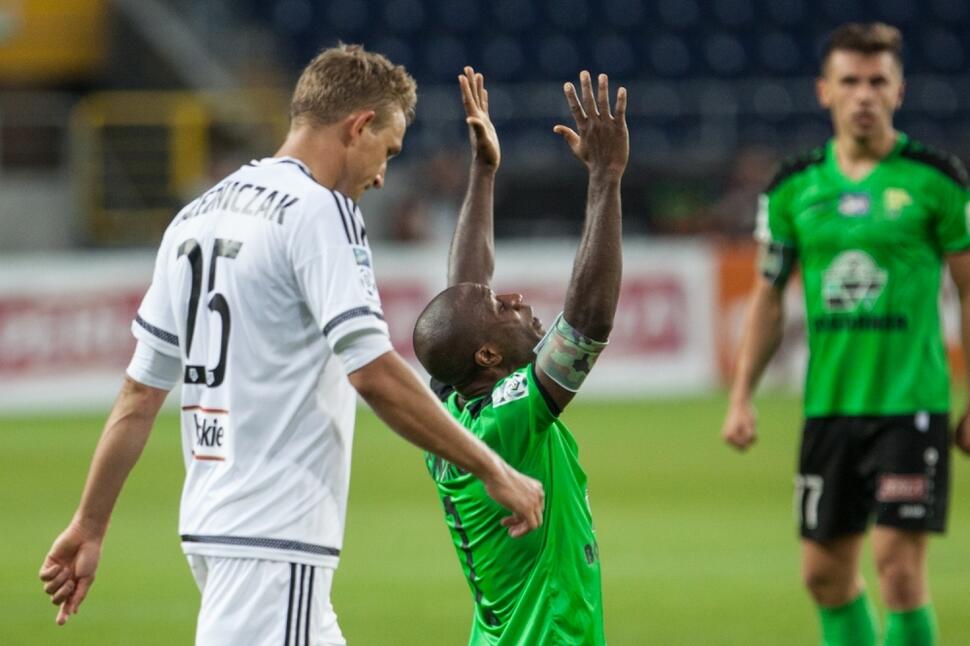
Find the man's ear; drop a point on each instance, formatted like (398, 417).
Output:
(488, 356)
(355, 123)
(822, 92)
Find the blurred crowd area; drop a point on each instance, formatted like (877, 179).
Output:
(114, 113)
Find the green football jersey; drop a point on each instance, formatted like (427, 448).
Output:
(870, 253)
(544, 587)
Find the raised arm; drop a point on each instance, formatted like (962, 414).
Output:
(471, 258)
(601, 142)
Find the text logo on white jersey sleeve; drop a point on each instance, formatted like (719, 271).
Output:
(365, 272)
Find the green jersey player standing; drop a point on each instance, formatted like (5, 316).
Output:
(869, 218)
(505, 379)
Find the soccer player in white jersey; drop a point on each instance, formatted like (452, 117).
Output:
(262, 304)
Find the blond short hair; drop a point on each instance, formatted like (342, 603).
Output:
(864, 38)
(346, 78)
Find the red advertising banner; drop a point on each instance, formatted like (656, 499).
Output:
(65, 332)
(65, 322)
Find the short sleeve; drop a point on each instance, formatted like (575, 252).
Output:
(334, 270)
(522, 411)
(775, 231)
(952, 224)
(153, 368)
(774, 222)
(154, 323)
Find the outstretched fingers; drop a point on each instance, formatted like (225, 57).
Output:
(571, 136)
(572, 100)
(603, 95)
(467, 100)
(477, 83)
(621, 104)
(474, 96)
(586, 84)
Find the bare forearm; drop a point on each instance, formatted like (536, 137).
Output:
(965, 336)
(761, 338)
(472, 255)
(122, 441)
(408, 407)
(595, 284)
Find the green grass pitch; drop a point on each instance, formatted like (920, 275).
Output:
(698, 543)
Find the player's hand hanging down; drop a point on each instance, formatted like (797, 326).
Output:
(600, 140)
(961, 435)
(522, 495)
(740, 426)
(481, 132)
(68, 570)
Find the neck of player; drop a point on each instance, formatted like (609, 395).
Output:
(856, 154)
(321, 149)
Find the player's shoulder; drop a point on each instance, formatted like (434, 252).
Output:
(940, 160)
(795, 166)
(314, 204)
(342, 214)
(512, 388)
(337, 215)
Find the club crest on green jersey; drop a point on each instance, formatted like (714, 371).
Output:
(853, 280)
(515, 387)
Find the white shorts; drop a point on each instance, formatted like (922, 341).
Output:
(253, 602)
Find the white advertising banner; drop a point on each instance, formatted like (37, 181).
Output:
(65, 339)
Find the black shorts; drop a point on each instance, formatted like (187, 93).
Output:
(896, 468)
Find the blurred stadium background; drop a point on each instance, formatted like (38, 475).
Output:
(114, 113)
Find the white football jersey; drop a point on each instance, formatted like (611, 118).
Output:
(255, 283)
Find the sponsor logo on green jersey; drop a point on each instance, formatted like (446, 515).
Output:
(852, 282)
(894, 200)
(854, 205)
(851, 285)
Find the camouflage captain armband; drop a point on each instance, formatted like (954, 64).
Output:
(567, 355)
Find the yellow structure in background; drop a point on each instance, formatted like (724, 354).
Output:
(49, 41)
(137, 157)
